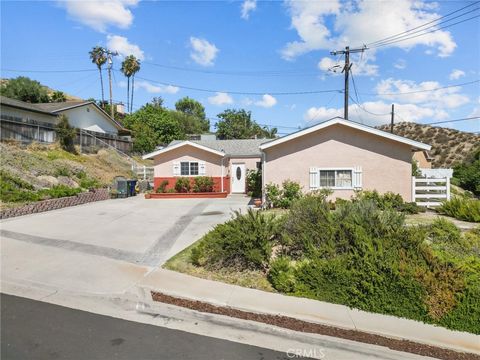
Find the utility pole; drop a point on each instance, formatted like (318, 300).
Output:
(110, 64)
(346, 71)
(393, 118)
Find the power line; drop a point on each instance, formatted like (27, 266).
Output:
(425, 33)
(455, 120)
(425, 24)
(49, 71)
(241, 92)
(425, 90)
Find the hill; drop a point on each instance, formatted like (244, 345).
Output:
(29, 171)
(49, 90)
(449, 146)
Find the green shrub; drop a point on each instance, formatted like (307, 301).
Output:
(443, 231)
(63, 171)
(283, 198)
(388, 200)
(467, 175)
(59, 191)
(66, 134)
(462, 209)
(281, 274)
(182, 185)
(162, 187)
(203, 184)
(245, 242)
(254, 183)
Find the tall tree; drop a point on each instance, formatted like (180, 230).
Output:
(194, 109)
(238, 124)
(135, 67)
(127, 70)
(25, 89)
(58, 96)
(99, 58)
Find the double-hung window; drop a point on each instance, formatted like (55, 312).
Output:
(337, 179)
(189, 168)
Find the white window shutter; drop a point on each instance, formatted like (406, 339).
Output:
(176, 168)
(357, 178)
(314, 178)
(201, 168)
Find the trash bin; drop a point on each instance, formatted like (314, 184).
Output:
(121, 185)
(131, 187)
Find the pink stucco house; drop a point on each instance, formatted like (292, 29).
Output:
(338, 154)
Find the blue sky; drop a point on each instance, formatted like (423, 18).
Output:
(234, 48)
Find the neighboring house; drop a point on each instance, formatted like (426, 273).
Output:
(226, 161)
(338, 154)
(27, 122)
(423, 159)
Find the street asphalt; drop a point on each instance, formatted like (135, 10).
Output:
(37, 330)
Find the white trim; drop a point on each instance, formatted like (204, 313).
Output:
(176, 146)
(189, 167)
(414, 144)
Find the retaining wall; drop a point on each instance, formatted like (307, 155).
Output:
(52, 204)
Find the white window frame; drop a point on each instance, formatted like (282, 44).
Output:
(351, 169)
(189, 168)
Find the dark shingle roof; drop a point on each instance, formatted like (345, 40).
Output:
(22, 105)
(47, 108)
(237, 147)
(54, 107)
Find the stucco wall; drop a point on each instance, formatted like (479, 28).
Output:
(250, 163)
(420, 157)
(386, 164)
(163, 163)
(85, 116)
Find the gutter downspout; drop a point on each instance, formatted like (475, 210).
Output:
(264, 160)
(221, 185)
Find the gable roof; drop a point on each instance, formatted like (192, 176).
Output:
(179, 145)
(54, 109)
(234, 147)
(337, 120)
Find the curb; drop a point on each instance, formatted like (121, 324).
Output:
(306, 310)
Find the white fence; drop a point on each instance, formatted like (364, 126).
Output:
(430, 192)
(143, 172)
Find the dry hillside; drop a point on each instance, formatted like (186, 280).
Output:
(449, 146)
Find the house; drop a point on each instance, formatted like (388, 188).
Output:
(226, 161)
(27, 122)
(338, 154)
(423, 159)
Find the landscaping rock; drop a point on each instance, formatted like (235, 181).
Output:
(46, 181)
(65, 180)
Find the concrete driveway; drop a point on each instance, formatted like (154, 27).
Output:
(107, 246)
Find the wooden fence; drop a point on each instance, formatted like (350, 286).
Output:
(430, 192)
(28, 131)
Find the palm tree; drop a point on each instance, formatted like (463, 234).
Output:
(135, 69)
(98, 57)
(127, 70)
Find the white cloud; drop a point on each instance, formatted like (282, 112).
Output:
(400, 64)
(361, 65)
(404, 112)
(220, 98)
(267, 101)
(449, 97)
(456, 74)
(247, 7)
(361, 22)
(154, 89)
(123, 47)
(99, 14)
(203, 52)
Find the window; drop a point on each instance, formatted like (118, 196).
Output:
(259, 165)
(188, 168)
(336, 178)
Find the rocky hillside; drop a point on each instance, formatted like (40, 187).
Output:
(449, 146)
(27, 171)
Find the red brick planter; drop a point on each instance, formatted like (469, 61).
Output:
(187, 195)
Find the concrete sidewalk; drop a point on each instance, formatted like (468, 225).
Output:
(256, 301)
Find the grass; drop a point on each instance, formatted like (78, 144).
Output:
(250, 279)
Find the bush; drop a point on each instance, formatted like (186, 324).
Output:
(283, 198)
(182, 185)
(388, 200)
(162, 187)
(66, 134)
(467, 175)
(281, 275)
(245, 242)
(203, 184)
(59, 191)
(254, 183)
(462, 209)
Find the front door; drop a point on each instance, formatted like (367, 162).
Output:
(238, 178)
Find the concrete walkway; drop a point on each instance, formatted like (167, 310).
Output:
(221, 294)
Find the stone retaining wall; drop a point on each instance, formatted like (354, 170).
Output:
(52, 204)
